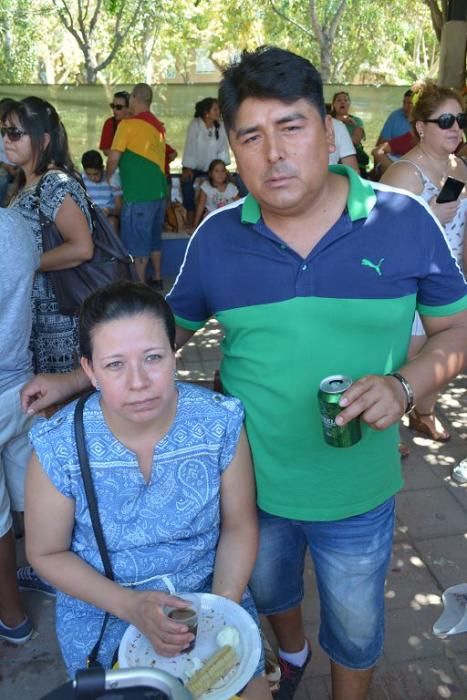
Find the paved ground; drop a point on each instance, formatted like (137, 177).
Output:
(430, 554)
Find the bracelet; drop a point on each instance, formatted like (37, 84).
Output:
(409, 395)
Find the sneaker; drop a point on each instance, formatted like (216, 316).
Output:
(19, 634)
(28, 580)
(290, 677)
(459, 473)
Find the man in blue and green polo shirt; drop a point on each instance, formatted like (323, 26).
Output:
(316, 273)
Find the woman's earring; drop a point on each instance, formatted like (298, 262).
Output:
(97, 386)
(422, 134)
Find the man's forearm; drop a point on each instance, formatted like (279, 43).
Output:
(112, 164)
(443, 356)
(235, 559)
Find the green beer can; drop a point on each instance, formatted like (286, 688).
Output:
(329, 394)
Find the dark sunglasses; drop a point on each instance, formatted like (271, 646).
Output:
(445, 121)
(13, 133)
(117, 107)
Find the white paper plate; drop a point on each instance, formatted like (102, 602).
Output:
(136, 651)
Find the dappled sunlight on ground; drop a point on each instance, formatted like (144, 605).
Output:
(416, 561)
(427, 443)
(436, 459)
(423, 599)
(402, 529)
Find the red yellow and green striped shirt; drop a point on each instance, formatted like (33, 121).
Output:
(141, 140)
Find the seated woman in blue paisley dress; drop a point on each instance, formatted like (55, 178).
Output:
(171, 468)
(36, 142)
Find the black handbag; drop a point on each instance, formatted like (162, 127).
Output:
(110, 262)
(94, 513)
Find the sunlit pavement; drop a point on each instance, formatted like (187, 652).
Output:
(430, 554)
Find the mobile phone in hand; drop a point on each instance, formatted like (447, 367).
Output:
(450, 191)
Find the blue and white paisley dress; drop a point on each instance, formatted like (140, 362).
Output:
(167, 528)
(54, 337)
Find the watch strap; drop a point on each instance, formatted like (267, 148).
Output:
(409, 395)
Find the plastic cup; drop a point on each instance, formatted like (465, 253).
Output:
(187, 616)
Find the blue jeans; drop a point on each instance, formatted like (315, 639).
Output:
(350, 557)
(141, 226)
(188, 192)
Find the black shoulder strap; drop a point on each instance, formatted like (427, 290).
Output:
(92, 661)
(89, 486)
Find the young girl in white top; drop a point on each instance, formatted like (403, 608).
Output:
(216, 191)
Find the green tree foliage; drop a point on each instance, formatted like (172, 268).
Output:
(84, 20)
(123, 41)
(17, 57)
(370, 40)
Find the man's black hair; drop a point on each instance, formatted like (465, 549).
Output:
(92, 159)
(269, 73)
(408, 93)
(124, 95)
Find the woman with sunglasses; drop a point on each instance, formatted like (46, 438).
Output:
(35, 140)
(120, 107)
(438, 120)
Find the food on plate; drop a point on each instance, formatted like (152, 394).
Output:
(217, 666)
(228, 636)
(193, 664)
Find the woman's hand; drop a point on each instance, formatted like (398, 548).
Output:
(444, 212)
(45, 390)
(145, 612)
(347, 119)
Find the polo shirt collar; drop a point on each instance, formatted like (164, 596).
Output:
(360, 202)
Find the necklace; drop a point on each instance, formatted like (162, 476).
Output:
(434, 163)
(210, 126)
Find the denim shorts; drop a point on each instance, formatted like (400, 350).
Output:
(141, 226)
(15, 452)
(350, 558)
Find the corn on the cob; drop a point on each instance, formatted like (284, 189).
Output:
(217, 666)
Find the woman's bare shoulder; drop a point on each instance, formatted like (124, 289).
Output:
(404, 173)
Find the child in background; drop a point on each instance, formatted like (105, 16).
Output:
(216, 191)
(104, 195)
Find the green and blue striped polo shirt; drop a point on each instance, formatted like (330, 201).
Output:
(347, 308)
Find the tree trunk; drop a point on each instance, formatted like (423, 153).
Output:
(452, 66)
(148, 41)
(325, 58)
(89, 66)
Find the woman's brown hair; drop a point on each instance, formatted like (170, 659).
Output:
(427, 98)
